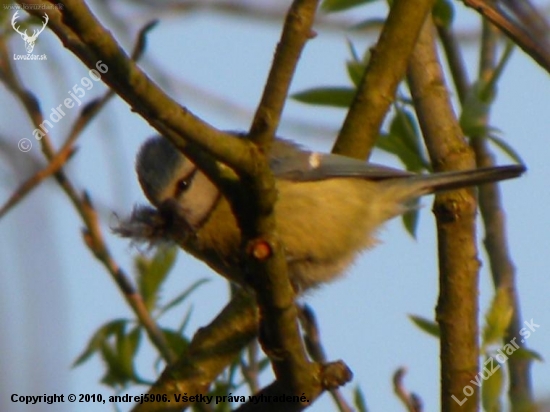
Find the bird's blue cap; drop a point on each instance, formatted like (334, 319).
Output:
(156, 164)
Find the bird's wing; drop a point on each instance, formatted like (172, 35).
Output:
(310, 166)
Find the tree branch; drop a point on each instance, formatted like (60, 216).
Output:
(212, 348)
(279, 333)
(296, 31)
(384, 72)
(457, 307)
(82, 33)
(534, 44)
(455, 60)
(503, 271)
(255, 195)
(312, 337)
(410, 400)
(331, 376)
(82, 203)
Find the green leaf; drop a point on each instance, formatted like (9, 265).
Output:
(264, 363)
(182, 296)
(426, 325)
(327, 96)
(356, 66)
(99, 338)
(370, 24)
(497, 318)
(476, 108)
(478, 131)
(177, 342)
(331, 6)
(491, 389)
(355, 71)
(127, 346)
(410, 218)
(353, 51)
(359, 400)
(443, 13)
(524, 353)
(403, 141)
(186, 320)
(151, 273)
(491, 84)
(480, 96)
(119, 357)
(113, 376)
(403, 125)
(506, 148)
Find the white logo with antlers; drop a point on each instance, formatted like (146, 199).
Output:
(29, 40)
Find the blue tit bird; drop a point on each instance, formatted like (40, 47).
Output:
(329, 207)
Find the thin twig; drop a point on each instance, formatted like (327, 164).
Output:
(455, 60)
(83, 34)
(92, 234)
(296, 31)
(251, 369)
(412, 402)
(54, 165)
(87, 114)
(312, 337)
(520, 391)
(266, 12)
(532, 44)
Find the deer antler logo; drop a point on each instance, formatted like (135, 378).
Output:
(29, 40)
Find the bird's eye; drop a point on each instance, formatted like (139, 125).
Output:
(184, 183)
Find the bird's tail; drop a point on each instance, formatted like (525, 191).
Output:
(438, 182)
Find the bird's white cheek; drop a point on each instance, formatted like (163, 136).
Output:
(199, 200)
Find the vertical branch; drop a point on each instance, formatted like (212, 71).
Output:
(502, 268)
(455, 60)
(457, 307)
(279, 333)
(386, 69)
(296, 31)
